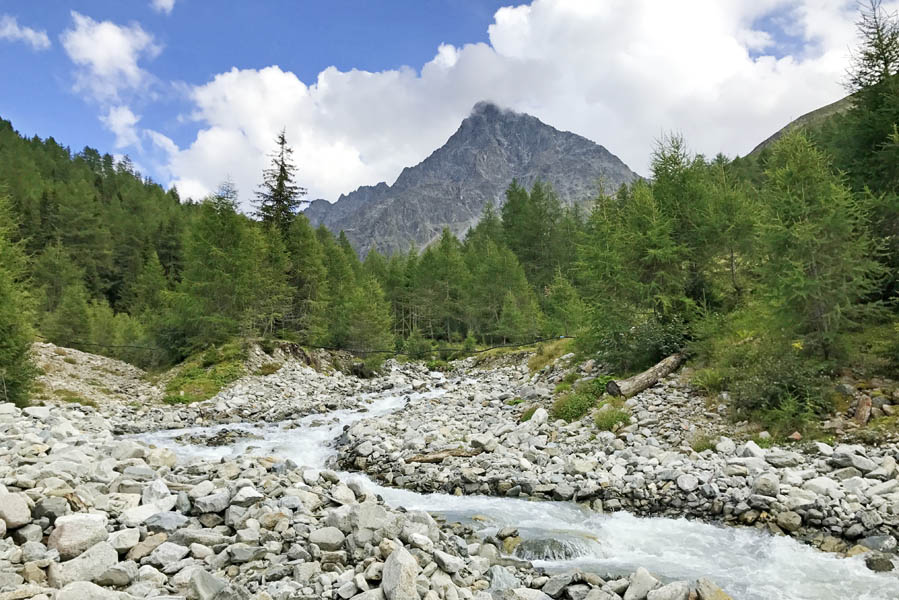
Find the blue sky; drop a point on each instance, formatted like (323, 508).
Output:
(195, 90)
(200, 39)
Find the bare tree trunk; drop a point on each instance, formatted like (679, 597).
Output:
(646, 379)
(436, 457)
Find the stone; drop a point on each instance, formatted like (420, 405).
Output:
(161, 457)
(213, 503)
(14, 510)
(155, 491)
(246, 496)
(879, 562)
(751, 450)
(687, 482)
(725, 446)
(146, 546)
(204, 586)
(327, 538)
(524, 593)
(448, 563)
(789, 521)
(167, 553)
(168, 522)
(501, 579)
(766, 484)
(556, 585)
(88, 566)
(119, 575)
(84, 590)
(641, 583)
(539, 417)
(879, 543)
(398, 576)
(707, 590)
(52, 507)
(678, 590)
(73, 534)
(863, 410)
(822, 486)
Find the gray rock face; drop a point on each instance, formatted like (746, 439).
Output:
(84, 590)
(452, 186)
(679, 590)
(398, 577)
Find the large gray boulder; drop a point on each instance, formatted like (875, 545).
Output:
(84, 590)
(327, 538)
(76, 533)
(640, 585)
(90, 565)
(398, 577)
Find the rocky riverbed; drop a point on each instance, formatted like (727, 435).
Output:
(834, 497)
(105, 503)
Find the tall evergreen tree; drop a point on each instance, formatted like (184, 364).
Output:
(16, 368)
(279, 197)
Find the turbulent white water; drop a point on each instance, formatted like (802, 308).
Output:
(748, 564)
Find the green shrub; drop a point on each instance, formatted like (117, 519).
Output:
(514, 402)
(572, 406)
(268, 368)
(595, 387)
(609, 419)
(437, 365)
(710, 381)
(528, 413)
(469, 345)
(638, 347)
(173, 399)
(571, 377)
(417, 347)
(199, 383)
(547, 353)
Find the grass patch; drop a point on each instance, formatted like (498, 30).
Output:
(572, 406)
(528, 413)
(74, 398)
(595, 387)
(709, 381)
(437, 365)
(514, 402)
(703, 442)
(547, 353)
(611, 418)
(563, 387)
(200, 378)
(874, 350)
(269, 368)
(70, 360)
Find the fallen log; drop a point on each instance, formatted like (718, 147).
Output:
(648, 378)
(436, 457)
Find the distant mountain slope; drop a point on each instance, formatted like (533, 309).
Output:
(451, 187)
(813, 118)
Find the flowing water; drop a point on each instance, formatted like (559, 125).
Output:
(748, 564)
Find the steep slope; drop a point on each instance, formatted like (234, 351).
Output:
(809, 119)
(451, 187)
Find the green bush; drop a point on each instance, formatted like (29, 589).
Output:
(269, 368)
(703, 442)
(470, 344)
(609, 419)
(417, 346)
(643, 345)
(563, 387)
(572, 406)
(710, 381)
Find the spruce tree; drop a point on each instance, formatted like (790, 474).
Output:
(16, 368)
(877, 57)
(279, 197)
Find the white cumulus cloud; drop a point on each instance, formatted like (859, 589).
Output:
(106, 56)
(122, 122)
(620, 72)
(12, 31)
(163, 6)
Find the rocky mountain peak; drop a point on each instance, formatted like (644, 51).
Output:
(451, 187)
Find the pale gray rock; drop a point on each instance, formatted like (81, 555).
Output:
(88, 566)
(14, 510)
(398, 576)
(73, 534)
(679, 590)
(641, 583)
(327, 538)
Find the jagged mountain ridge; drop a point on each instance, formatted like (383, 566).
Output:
(452, 186)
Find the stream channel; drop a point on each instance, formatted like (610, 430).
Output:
(558, 536)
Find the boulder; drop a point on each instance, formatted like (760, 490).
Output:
(76, 533)
(204, 586)
(84, 590)
(679, 590)
(766, 484)
(641, 583)
(14, 510)
(707, 590)
(88, 566)
(327, 538)
(398, 576)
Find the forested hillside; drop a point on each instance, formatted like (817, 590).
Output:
(774, 272)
